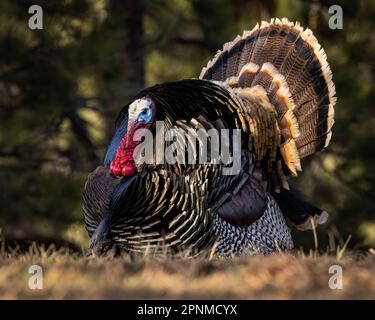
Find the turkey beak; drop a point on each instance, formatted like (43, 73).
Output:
(100, 242)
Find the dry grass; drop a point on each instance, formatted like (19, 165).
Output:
(281, 276)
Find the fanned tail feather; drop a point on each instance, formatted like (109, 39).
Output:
(288, 62)
(291, 67)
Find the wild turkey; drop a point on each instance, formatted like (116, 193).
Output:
(274, 84)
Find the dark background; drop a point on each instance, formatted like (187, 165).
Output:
(61, 88)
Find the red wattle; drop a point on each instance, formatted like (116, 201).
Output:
(115, 170)
(128, 170)
(122, 163)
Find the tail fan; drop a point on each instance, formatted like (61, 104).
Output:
(287, 64)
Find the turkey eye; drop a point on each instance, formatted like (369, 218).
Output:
(144, 111)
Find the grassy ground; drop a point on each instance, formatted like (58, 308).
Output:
(281, 276)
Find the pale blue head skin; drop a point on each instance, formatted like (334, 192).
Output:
(141, 111)
(140, 114)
